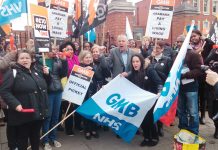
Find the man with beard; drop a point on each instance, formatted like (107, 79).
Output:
(203, 47)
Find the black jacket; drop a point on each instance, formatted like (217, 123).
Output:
(93, 84)
(59, 70)
(147, 79)
(207, 48)
(28, 89)
(162, 66)
(102, 71)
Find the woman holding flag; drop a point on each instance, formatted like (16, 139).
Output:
(144, 78)
(162, 65)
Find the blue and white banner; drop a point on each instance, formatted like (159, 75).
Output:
(120, 105)
(12, 9)
(172, 84)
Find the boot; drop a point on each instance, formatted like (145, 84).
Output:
(160, 129)
(202, 118)
(216, 133)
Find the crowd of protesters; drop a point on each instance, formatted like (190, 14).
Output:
(25, 83)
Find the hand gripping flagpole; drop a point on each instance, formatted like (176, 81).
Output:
(55, 126)
(170, 90)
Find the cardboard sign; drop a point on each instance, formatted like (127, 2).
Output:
(58, 16)
(39, 16)
(77, 85)
(160, 18)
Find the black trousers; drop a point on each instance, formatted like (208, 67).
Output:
(11, 132)
(202, 96)
(150, 129)
(89, 126)
(28, 131)
(212, 105)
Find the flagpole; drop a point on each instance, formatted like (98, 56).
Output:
(66, 112)
(103, 36)
(81, 37)
(28, 30)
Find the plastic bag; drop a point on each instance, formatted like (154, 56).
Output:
(185, 140)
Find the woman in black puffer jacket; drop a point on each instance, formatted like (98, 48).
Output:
(102, 70)
(24, 87)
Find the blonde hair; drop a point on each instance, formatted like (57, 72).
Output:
(145, 38)
(83, 54)
(94, 47)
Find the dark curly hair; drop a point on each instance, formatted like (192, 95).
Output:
(64, 45)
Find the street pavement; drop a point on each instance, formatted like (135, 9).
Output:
(108, 140)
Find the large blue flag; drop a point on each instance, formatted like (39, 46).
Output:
(172, 84)
(12, 9)
(120, 105)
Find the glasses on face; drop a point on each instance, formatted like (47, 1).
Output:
(179, 41)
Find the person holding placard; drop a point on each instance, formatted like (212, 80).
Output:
(86, 61)
(58, 69)
(68, 49)
(24, 89)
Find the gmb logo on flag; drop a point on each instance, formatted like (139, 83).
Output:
(120, 105)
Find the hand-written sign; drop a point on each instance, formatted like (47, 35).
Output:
(159, 19)
(58, 16)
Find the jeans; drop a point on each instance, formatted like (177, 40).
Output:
(52, 120)
(188, 111)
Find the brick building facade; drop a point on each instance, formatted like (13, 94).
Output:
(115, 23)
(202, 11)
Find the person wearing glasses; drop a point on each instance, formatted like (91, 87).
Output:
(162, 65)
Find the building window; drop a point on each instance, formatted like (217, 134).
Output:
(206, 27)
(215, 6)
(196, 4)
(206, 6)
